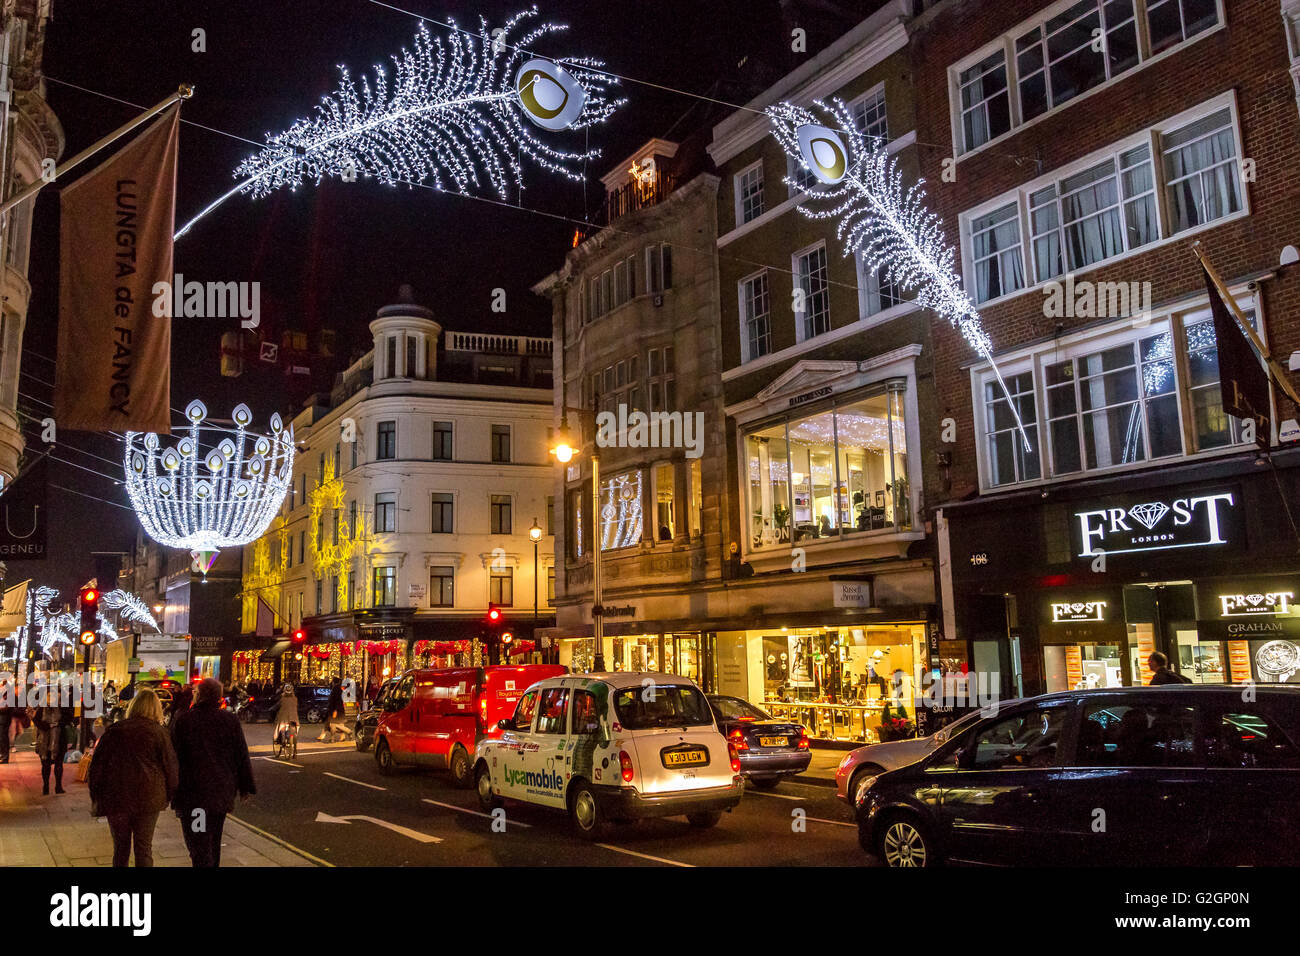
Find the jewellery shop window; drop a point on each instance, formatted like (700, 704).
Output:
(819, 475)
(849, 683)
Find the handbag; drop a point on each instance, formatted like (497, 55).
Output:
(83, 767)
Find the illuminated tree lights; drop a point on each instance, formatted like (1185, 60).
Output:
(456, 112)
(216, 488)
(128, 608)
(888, 224)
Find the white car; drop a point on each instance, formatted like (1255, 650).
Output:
(612, 747)
(874, 759)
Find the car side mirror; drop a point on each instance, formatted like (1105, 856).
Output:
(506, 724)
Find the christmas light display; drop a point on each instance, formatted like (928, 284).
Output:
(335, 556)
(216, 488)
(56, 625)
(453, 114)
(889, 225)
(128, 608)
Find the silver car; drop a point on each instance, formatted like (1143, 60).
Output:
(866, 762)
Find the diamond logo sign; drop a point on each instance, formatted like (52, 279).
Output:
(1149, 514)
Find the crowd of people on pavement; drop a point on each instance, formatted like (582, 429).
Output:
(188, 753)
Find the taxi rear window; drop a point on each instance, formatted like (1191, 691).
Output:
(661, 705)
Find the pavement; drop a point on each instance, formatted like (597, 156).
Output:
(58, 830)
(330, 806)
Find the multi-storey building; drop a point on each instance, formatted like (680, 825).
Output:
(30, 135)
(826, 375)
(415, 486)
(1081, 149)
(634, 309)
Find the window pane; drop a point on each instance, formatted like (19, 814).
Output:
(755, 307)
(811, 276)
(665, 522)
(621, 522)
(986, 108)
(769, 489)
(812, 474)
(995, 244)
(1024, 741)
(864, 464)
(1202, 181)
(1008, 460)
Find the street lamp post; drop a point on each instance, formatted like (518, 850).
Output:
(535, 533)
(563, 449)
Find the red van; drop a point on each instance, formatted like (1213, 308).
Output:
(434, 717)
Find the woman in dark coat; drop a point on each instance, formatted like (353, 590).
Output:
(51, 744)
(133, 776)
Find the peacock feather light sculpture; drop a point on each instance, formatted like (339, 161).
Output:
(889, 224)
(458, 113)
(217, 487)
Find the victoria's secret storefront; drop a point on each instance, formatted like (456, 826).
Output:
(1205, 570)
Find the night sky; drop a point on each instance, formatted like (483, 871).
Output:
(329, 256)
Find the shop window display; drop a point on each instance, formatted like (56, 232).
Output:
(835, 472)
(848, 684)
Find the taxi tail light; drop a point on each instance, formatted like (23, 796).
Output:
(804, 743)
(625, 766)
(737, 739)
(735, 757)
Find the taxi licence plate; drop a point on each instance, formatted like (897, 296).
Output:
(774, 741)
(685, 758)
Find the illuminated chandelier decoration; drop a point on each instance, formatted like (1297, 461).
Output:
(216, 488)
(453, 114)
(889, 225)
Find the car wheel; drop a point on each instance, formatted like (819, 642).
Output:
(704, 819)
(855, 789)
(765, 783)
(384, 758)
(315, 715)
(584, 810)
(488, 800)
(903, 841)
(462, 774)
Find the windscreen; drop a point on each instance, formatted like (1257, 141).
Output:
(661, 705)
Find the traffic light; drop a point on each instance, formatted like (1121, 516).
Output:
(89, 616)
(299, 636)
(492, 624)
(506, 640)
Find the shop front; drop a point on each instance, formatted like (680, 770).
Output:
(1206, 572)
(847, 674)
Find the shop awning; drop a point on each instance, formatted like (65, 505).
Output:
(275, 650)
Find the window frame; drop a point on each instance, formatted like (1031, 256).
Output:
(743, 301)
(496, 432)
(450, 432)
(495, 514)
(437, 508)
(1006, 44)
(801, 320)
(1153, 136)
(393, 504)
(1091, 340)
(496, 595)
(380, 443)
(742, 198)
(441, 578)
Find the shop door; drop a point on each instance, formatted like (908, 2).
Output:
(1162, 617)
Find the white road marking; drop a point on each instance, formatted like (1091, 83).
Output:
(476, 813)
(779, 796)
(645, 856)
(834, 823)
(359, 783)
(279, 761)
(322, 817)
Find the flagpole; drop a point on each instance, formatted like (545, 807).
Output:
(1274, 367)
(184, 92)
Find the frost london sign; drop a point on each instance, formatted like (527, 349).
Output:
(1079, 611)
(1196, 521)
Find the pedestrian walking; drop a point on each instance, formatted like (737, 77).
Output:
(334, 726)
(8, 710)
(133, 777)
(214, 767)
(53, 725)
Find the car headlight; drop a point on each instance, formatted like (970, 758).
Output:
(862, 790)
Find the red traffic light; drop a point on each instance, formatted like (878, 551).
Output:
(494, 615)
(89, 595)
(299, 636)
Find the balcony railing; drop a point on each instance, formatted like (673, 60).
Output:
(486, 343)
(635, 195)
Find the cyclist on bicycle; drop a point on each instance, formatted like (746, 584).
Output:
(286, 716)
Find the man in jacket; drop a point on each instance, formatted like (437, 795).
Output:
(214, 767)
(1162, 673)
